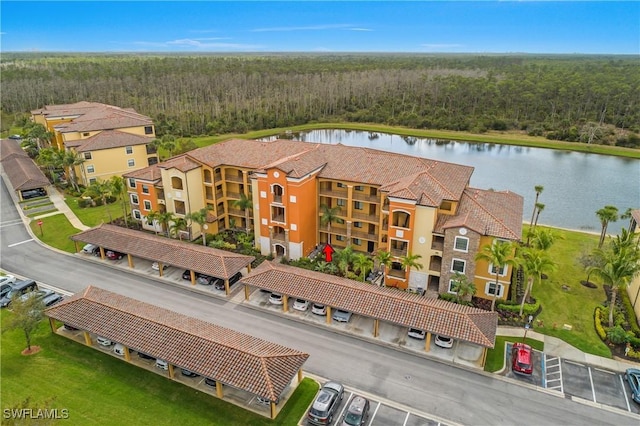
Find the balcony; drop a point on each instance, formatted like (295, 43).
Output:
(363, 235)
(363, 196)
(277, 198)
(278, 218)
(332, 193)
(396, 273)
(232, 178)
(437, 244)
(280, 236)
(364, 216)
(398, 252)
(219, 194)
(435, 264)
(217, 177)
(236, 212)
(233, 195)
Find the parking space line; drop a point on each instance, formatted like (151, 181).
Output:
(374, 413)
(574, 363)
(553, 368)
(593, 389)
(605, 371)
(624, 392)
(406, 419)
(345, 405)
(21, 242)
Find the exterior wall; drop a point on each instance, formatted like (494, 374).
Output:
(111, 162)
(396, 278)
(633, 289)
(422, 237)
(449, 253)
(483, 275)
(145, 199)
(191, 193)
(301, 202)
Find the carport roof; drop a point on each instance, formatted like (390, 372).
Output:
(236, 359)
(206, 260)
(411, 310)
(24, 174)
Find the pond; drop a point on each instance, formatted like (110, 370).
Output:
(576, 185)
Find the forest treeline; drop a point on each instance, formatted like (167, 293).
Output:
(593, 99)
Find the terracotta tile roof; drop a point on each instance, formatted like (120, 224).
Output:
(11, 149)
(196, 257)
(494, 213)
(182, 162)
(635, 214)
(235, 359)
(77, 108)
(150, 173)
(23, 173)
(398, 307)
(103, 117)
(108, 139)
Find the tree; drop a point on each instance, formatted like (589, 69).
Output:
(384, 259)
(535, 262)
(119, 190)
(200, 217)
(102, 190)
(50, 158)
(363, 264)
(177, 226)
(499, 255)
(39, 134)
(628, 214)
(68, 161)
(606, 215)
(539, 207)
(151, 218)
(343, 259)
(245, 204)
(463, 287)
(538, 189)
(165, 218)
(27, 313)
(411, 261)
(329, 215)
(543, 239)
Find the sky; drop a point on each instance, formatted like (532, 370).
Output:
(589, 27)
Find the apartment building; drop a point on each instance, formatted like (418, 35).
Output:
(383, 201)
(110, 140)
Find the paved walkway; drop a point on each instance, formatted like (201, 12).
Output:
(556, 347)
(58, 201)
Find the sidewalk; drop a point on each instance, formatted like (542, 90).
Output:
(58, 201)
(559, 348)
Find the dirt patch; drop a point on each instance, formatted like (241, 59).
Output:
(33, 350)
(588, 284)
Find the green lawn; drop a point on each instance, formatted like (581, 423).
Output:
(496, 356)
(574, 306)
(56, 231)
(94, 216)
(97, 388)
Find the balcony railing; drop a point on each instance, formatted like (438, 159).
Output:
(219, 194)
(233, 195)
(278, 218)
(235, 178)
(363, 196)
(277, 199)
(279, 236)
(396, 273)
(435, 264)
(236, 212)
(330, 193)
(365, 216)
(398, 252)
(364, 235)
(437, 245)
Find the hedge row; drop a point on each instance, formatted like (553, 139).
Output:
(597, 319)
(529, 308)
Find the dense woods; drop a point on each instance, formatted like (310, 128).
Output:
(593, 99)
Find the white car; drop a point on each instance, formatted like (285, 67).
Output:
(417, 333)
(301, 305)
(275, 299)
(162, 364)
(7, 279)
(443, 342)
(318, 309)
(341, 315)
(118, 349)
(104, 341)
(91, 249)
(156, 267)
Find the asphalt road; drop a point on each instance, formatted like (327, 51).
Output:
(453, 394)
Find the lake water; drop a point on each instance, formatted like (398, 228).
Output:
(575, 184)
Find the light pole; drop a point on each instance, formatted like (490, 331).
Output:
(527, 326)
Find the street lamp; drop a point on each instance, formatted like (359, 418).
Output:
(527, 326)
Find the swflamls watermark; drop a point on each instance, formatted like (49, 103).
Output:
(35, 413)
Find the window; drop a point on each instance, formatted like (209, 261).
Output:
(152, 160)
(128, 149)
(87, 156)
(359, 188)
(131, 163)
(92, 180)
(179, 207)
(340, 185)
(341, 202)
(357, 224)
(339, 238)
(490, 289)
(147, 205)
(176, 182)
(134, 199)
(458, 265)
(148, 130)
(358, 205)
(136, 214)
(145, 189)
(451, 285)
(86, 134)
(356, 241)
(493, 270)
(91, 169)
(461, 244)
(132, 182)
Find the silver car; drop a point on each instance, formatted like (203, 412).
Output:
(341, 316)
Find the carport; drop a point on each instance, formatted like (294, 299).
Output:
(231, 358)
(435, 316)
(166, 251)
(23, 173)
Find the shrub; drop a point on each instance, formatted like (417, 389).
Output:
(616, 335)
(630, 313)
(529, 308)
(82, 203)
(597, 319)
(634, 341)
(633, 353)
(448, 297)
(97, 201)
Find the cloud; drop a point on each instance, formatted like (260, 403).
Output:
(307, 28)
(360, 29)
(437, 46)
(200, 43)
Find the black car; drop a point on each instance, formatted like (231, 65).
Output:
(188, 373)
(186, 275)
(208, 280)
(70, 327)
(209, 382)
(145, 356)
(27, 194)
(234, 279)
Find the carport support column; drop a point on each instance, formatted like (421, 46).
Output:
(130, 260)
(329, 315)
(300, 377)
(52, 323)
(427, 343)
(285, 303)
(102, 253)
(219, 390)
(246, 292)
(272, 405)
(87, 338)
(226, 287)
(193, 277)
(484, 357)
(127, 354)
(160, 268)
(75, 243)
(376, 326)
(172, 373)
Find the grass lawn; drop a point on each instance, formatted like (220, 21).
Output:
(56, 231)
(495, 356)
(97, 388)
(94, 216)
(574, 306)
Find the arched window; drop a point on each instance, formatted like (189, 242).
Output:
(176, 182)
(401, 219)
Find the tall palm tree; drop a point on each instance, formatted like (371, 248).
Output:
(606, 215)
(165, 218)
(363, 264)
(69, 160)
(535, 262)
(539, 207)
(151, 217)
(463, 287)
(411, 261)
(617, 270)
(119, 190)
(100, 189)
(329, 215)
(538, 189)
(384, 259)
(627, 215)
(179, 224)
(200, 217)
(499, 254)
(245, 203)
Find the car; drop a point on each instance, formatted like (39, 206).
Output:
(7, 279)
(318, 309)
(15, 137)
(632, 375)
(155, 266)
(39, 294)
(209, 382)
(206, 279)
(69, 327)
(188, 373)
(162, 364)
(357, 412)
(91, 249)
(186, 275)
(301, 305)
(266, 401)
(28, 194)
(145, 356)
(275, 299)
(443, 341)
(118, 349)
(417, 333)
(52, 298)
(521, 359)
(103, 341)
(114, 255)
(18, 289)
(341, 315)
(325, 404)
(4, 289)
(234, 279)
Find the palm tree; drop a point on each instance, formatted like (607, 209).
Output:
(179, 224)
(200, 217)
(499, 255)
(49, 158)
(363, 264)
(625, 241)
(329, 215)
(411, 261)
(245, 203)
(463, 287)
(538, 189)
(384, 259)
(152, 217)
(535, 262)
(40, 135)
(539, 207)
(119, 189)
(606, 214)
(102, 190)
(165, 218)
(617, 270)
(543, 239)
(343, 259)
(68, 160)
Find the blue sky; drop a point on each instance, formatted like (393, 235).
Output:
(300, 26)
